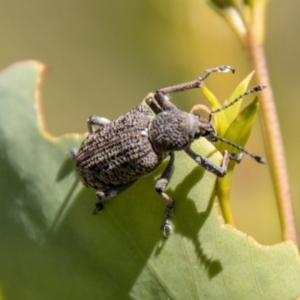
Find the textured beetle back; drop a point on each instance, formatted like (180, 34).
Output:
(119, 152)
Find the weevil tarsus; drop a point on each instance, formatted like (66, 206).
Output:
(104, 196)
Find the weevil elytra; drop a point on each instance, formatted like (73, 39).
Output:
(119, 152)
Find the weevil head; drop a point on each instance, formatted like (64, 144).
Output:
(174, 130)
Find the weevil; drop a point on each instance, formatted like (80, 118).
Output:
(113, 157)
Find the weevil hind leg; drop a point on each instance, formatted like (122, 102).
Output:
(105, 195)
(95, 120)
(160, 187)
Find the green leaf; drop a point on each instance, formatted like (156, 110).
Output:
(238, 132)
(52, 247)
(240, 129)
(232, 111)
(224, 118)
(220, 120)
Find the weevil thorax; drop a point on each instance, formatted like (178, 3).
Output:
(174, 130)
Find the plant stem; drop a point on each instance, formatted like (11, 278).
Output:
(269, 118)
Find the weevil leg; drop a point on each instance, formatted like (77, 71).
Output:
(219, 171)
(95, 120)
(164, 101)
(104, 196)
(73, 153)
(152, 103)
(236, 157)
(160, 187)
(161, 95)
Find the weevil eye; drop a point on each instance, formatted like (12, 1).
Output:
(198, 134)
(212, 137)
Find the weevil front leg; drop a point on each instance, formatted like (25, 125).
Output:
(219, 171)
(161, 95)
(160, 187)
(154, 105)
(95, 120)
(236, 157)
(104, 196)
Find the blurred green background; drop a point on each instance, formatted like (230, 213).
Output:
(104, 56)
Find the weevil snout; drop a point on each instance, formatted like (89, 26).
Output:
(203, 127)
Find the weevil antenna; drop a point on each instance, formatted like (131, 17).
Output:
(259, 159)
(250, 91)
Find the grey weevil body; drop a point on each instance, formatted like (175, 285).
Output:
(121, 151)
